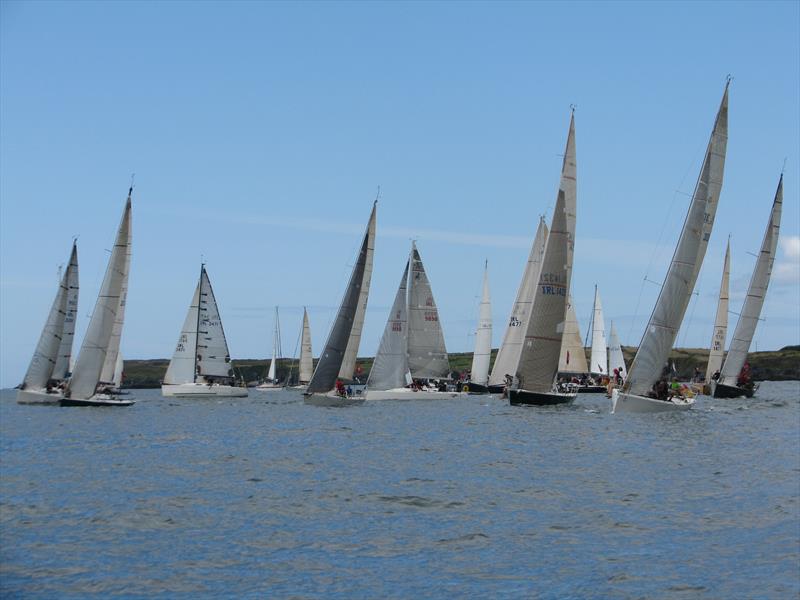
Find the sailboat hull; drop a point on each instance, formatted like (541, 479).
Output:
(97, 400)
(203, 390)
(408, 394)
(269, 387)
(630, 403)
(526, 398)
(592, 389)
(476, 388)
(38, 397)
(332, 399)
(720, 390)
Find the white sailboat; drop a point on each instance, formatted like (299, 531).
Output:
(733, 382)
(573, 354)
(412, 350)
(85, 387)
(306, 369)
(271, 383)
(479, 373)
(43, 382)
(507, 359)
(598, 363)
(343, 339)
(535, 379)
(638, 393)
(717, 350)
(201, 365)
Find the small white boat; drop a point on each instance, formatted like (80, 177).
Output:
(405, 393)
(203, 390)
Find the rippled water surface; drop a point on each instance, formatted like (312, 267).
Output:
(267, 497)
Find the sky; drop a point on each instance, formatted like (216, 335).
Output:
(259, 134)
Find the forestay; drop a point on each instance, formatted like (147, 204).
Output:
(679, 282)
(427, 355)
(505, 363)
(483, 336)
(390, 368)
(717, 350)
(759, 282)
(573, 354)
(64, 359)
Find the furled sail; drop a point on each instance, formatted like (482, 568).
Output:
(717, 350)
(427, 355)
(757, 290)
(332, 357)
(538, 363)
(182, 367)
(505, 363)
(62, 367)
(616, 360)
(681, 277)
(390, 368)
(483, 336)
(599, 358)
(93, 351)
(306, 357)
(573, 354)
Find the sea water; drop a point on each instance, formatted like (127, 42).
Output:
(267, 497)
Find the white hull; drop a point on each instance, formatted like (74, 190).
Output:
(630, 403)
(408, 394)
(332, 399)
(203, 390)
(38, 397)
(268, 387)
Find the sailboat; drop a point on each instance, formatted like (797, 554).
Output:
(538, 364)
(345, 335)
(412, 350)
(638, 393)
(479, 373)
(49, 366)
(573, 354)
(507, 359)
(306, 362)
(201, 365)
(271, 382)
(85, 387)
(598, 356)
(717, 350)
(733, 382)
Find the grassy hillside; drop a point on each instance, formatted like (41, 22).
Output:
(783, 364)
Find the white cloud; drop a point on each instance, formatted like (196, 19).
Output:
(787, 269)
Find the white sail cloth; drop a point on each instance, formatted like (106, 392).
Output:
(390, 368)
(306, 357)
(573, 354)
(62, 366)
(717, 350)
(616, 360)
(599, 357)
(679, 282)
(483, 336)
(756, 291)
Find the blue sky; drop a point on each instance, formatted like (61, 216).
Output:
(259, 133)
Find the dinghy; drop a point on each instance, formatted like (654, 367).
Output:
(538, 364)
(479, 373)
(638, 393)
(85, 387)
(45, 378)
(733, 383)
(201, 365)
(271, 382)
(345, 335)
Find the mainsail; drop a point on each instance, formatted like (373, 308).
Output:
(62, 367)
(573, 354)
(483, 336)
(759, 282)
(306, 357)
(505, 363)
(390, 368)
(538, 363)
(679, 282)
(599, 357)
(616, 360)
(182, 367)
(717, 350)
(332, 357)
(93, 351)
(213, 358)
(427, 355)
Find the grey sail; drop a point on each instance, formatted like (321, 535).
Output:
(44, 358)
(330, 361)
(756, 291)
(213, 357)
(676, 291)
(505, 363)
(61, 369)
(390, 369)
(427, 355)
(183, 366)
(92, 355)
(538, 364)
(616, 360)
(717, 350)
(306, 356)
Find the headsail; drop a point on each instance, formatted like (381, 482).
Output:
(427, 355)
(483, 336)
(332, 357)
(599, 358)
(573, 354)
(679, 282)
(505, 363)
(757, 290)
(183, 367)
(93, 351)
(538, 363)
(616, 360)
(62, 367)
(717, 350)
(306, 357)
(390, 368)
